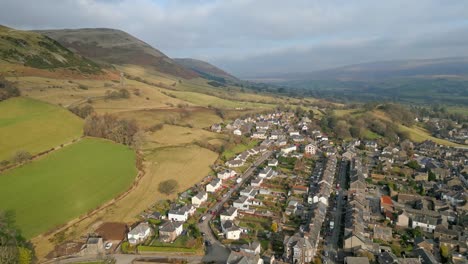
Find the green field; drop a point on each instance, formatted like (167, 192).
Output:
(238, 148)
(34, 126)
(66, 183)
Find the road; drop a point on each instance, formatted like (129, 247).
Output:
(332, 246)
(216, 252)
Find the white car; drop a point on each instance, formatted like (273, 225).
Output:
(108, 245)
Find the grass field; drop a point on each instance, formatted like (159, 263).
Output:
(34, 126)
(176, 135)
(238, 149)
(67, 183)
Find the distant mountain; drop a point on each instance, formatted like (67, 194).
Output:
(38, 51)
(384, 70)
(207, 70)
(113, 46)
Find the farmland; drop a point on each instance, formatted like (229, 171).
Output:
(67, 183)
(33, 126)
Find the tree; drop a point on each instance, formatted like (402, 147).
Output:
(7, 89)
(274, 227)
(21, 157)
(414, 165)
(431, 176)
(445, 252)
(168, 187)
(14, 248)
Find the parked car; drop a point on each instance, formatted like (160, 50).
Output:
(108, 245)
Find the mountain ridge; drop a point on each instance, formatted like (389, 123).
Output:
(114, 46)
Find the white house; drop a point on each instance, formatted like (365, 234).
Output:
(294, 133)
(200, 198)
(226, 174)
(249, 192)
(229, 214)
(427, 224)
(230, 230)
(237, 132)
(139, 234)
(267, 172)
(273, 163)
(288, 149)
(310, 149)
(181, 214)
(256, 182)
(259, 134)
(241, 203)
(214, 185)
(235, 163)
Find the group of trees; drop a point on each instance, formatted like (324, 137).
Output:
(14, 248)
(122, 93)
(110, 127)
(83, 111)
(7, 89)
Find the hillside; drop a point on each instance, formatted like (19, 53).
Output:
(207, 70)
(38, 51)
(111, 46)
(22, 126)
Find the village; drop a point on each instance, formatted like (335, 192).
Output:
(298, 196)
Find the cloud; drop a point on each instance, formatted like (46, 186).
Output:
(258, 36)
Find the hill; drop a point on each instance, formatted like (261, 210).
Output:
(443, 81)
(207, 70)
(111, 46)
(384, 70)
(38, 51)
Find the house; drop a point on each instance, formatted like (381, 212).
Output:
(386, 204)
(425, 256)
(273, 163)
(356, 260)
(403, 220)
(259, 134)
(294, 133)
(288, 149)
(421, 176)
(256, 182)
(229, 214)
(267, 172)
(93, 246)
(262, 126)
(300, 189)
(383, 233)
(426, 223)
(298, 249)
(281, 142)
(310, 149)
(235, 163)
(230, 230)
(214, 185)
(200, 198)
(237, 132)
(249, 192)
(244, 258)
(181, 214)
(241, 203)
(216, 128)
(226, 174)
(170, 230)
(139, 234)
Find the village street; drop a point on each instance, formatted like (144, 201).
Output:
(217, 252)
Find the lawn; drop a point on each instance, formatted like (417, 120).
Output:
(418, 134)
(34, 126)
(66, 184)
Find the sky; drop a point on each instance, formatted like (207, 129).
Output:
(261, 37)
